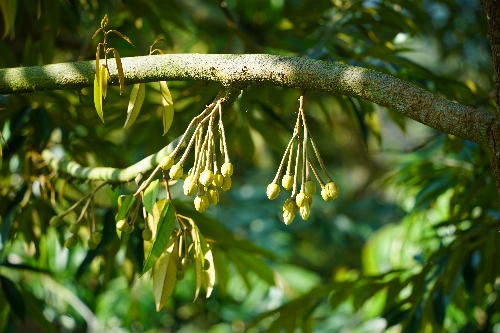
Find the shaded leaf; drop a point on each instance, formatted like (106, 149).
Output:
(165, 227)
(8, 9)
(165, 273)
(36, 313)
(96, 32)
(124, 204)
(168, 106)
(135, 103)
(150, 195)
(13, 297)
(121, 35)
(98, 97)
(119, 68)
(252, 263)
(221, 265)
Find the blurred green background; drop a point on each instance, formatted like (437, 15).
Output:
(411, 244)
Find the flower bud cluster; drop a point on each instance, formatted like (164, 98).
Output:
(300, 202)
(204, 177)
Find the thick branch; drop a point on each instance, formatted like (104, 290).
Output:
(240, 71)
(76, 170)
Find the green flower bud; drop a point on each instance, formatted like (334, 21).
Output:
(218, 180)
(305, 211)
(55, 221)
(289, 210)
(180, 274)
(147, 234)
(166, 162)
(128, 229)
(190, 185)
(227, 169)
(91, 244)
(212, 196)
(201, 203)
(71, 242)
(273, 190)
(120, 225)
(206, 177)
(287, 182)
(186, 262)
(226, 185)
(176, 171)
(301, 199)
(96, 237)
(330, 191)
(74, 228)
(309, 188)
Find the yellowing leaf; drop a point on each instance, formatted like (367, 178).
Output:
(98, 97)
(165, 274)
(119, 68)
(104, 81)
(97, 62)
(135, 103)
(168, 106)
(96, 32)
(121, 35)
(198, 258)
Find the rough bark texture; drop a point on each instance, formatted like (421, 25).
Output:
(492, 11)
(240, 71)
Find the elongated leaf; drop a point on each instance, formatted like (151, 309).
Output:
(124, 204)
(198, 258)
(0, 155)
(165, 227)
(150, 196)
(104, 81)
(13, 297)
(209, 272)
(97, 56)
(252, 263)
(8, 9)
(98, 97)
(135, 103)
(121, 35)
(119, 68)
(96, 32)
(221, 266)
(165, 273)
(168, 106)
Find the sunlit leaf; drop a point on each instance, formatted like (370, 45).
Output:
(135, 103)
(121, 35)
(209, 273)
(168, 106)
(150, 195)
(96, 32)
(97, 58)
(98, 98)
(124, 204)
(104, 81)
(165, 227)
(198, 258)
(119, 68)
(165, 273)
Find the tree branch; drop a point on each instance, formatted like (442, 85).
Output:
(76, 170)
(239, 71)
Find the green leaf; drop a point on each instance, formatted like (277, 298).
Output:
(168, 106)
(98, 97)
(209, 274)
(165, 273)
(254, 264)
(8, 9)
(124, 204)
(221, 265)
(165, 226)
(35, 313)
(135, 103)
(13, 297)
(198, 258)
(119, 68)
(103, 81)
(150, 195)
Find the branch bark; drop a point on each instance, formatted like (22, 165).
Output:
(240, 71)
(492, 11)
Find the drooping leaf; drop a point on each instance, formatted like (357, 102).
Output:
(165, 273)
(97, 56)
(8, 9)
(252, 263)
(119, 68)
(168, 106)
(150, 195)
(98, 97)
(135, 103)
(198, 258)
(104, 81)
(221, 266)
(209, 272)
(163, 234)
(13, 297)
(35, 313)
(124, 204)
(96, 32)
(121, 35)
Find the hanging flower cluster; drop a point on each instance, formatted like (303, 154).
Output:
(301, 201)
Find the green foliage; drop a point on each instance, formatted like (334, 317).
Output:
(410, 245)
